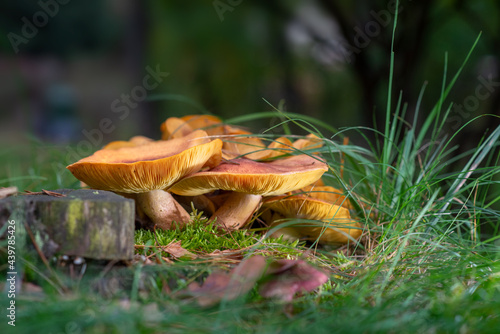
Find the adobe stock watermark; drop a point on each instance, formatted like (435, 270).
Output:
(372, 29)
(30, 26)
(12, 275)
(122, 107)
(471, 103)
(221, 7)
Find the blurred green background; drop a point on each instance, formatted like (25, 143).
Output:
(67, 65)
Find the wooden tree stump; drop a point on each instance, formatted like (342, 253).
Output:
(88, 223)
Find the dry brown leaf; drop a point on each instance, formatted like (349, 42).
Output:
(283, 279)
(289, 277)
(228, 286)
(9, 191)
(176, 251)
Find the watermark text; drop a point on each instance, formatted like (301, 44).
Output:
(11, 272)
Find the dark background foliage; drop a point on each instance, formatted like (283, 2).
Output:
(325, 58)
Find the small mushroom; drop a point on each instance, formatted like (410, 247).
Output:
(149, 167)
(326, 193)
(254, 148)
(175, 127)
(334, 226)
(211, 124)
(241, 143)
(279, 146)
(237, 142)
(310, 142)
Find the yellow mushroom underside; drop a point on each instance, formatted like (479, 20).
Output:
(335, 226)
(148, 167)
(243, 175)
(327, 194)
(300, 206)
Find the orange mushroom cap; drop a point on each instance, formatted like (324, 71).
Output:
(311, 141)
(174, 127)
(241, 142)
(211, 124)
(134, 141)
(251, 177)
(151, 166)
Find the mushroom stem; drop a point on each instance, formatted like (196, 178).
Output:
(200, 202)
(162, 209)
(236, 210)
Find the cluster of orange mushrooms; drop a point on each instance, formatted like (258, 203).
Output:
(228, 174)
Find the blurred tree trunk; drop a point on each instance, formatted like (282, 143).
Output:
(136, 42)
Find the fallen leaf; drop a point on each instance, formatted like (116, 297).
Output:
(5, 192)
(286, 278)
(175, 249)
(282, 279)
(220, 286)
